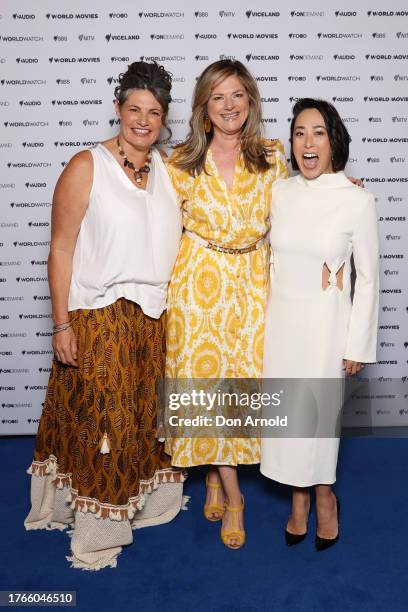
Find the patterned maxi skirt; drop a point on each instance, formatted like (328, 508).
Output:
(103, 495)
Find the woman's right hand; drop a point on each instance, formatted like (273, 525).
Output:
(65, 347)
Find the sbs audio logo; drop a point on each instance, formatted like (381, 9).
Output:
(23, 16)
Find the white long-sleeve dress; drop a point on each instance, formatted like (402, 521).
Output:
(309, 329)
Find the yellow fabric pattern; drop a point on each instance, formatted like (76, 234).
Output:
(216, 301)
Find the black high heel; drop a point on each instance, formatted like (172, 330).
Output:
(323, 543)
(294, 538)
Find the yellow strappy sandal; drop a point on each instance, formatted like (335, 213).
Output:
(209, 509)
(238, 534)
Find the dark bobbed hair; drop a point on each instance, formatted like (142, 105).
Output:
(336, 130)
(148, 76)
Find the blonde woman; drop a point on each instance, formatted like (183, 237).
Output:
(223, 173)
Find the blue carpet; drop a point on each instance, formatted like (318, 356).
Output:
(184, 565)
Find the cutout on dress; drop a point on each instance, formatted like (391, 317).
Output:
(332, 278)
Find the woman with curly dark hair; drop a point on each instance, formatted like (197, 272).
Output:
(116, 226)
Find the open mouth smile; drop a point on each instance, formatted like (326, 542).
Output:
(141, 131)
(310, 160)
(229, 116)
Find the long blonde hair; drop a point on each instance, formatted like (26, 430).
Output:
(190, 155)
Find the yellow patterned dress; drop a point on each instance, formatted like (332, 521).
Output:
(216, 301)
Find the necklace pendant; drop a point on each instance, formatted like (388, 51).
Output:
(137, 172)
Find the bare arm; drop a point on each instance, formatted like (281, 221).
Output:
(69, 205)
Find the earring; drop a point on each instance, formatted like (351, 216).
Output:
(207, 125)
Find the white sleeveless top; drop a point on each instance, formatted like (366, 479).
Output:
(128, 239)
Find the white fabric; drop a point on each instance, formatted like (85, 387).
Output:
(128, 240)
(96, 543)
(161, 506)
(310, 330)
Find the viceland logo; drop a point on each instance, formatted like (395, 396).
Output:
(250, 13)
(112, 37)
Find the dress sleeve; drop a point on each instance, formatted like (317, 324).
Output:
(282, 170)
(179, 180)
(362, 334)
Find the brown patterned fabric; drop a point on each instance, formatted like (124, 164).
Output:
(113, 390)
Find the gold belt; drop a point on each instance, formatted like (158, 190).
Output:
(221, 249)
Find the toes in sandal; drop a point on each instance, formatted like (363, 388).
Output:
(212, 507)
(234, 532)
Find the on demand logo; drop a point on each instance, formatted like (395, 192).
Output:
(170, 36)
(307, 13)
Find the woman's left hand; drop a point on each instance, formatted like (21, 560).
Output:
(351, 367)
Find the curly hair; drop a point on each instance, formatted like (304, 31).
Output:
(339, 137)
(150, 77)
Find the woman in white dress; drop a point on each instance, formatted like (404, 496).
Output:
(314, 330)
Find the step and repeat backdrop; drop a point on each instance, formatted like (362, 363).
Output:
(59, 64)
